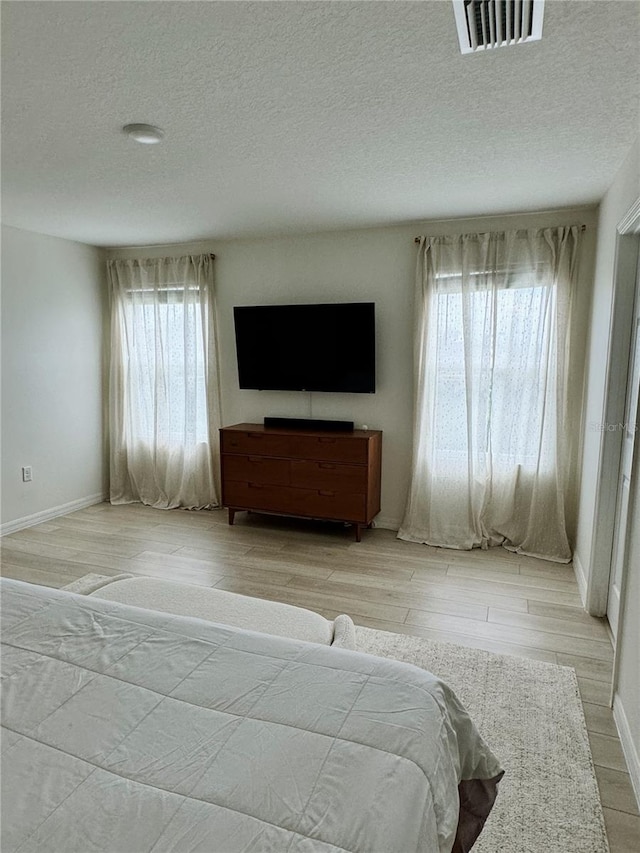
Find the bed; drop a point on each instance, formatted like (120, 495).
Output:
(129, 730)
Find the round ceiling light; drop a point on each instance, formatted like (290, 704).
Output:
(145, 133)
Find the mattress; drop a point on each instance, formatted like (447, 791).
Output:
(129, 730)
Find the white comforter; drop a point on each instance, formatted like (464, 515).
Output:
(128, 730)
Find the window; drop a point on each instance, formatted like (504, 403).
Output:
(505, 335)
(163, 398)
(493, 461)
(167, 396)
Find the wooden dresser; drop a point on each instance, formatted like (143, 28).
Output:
(330, 475)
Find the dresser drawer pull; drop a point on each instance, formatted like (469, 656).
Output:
(329, 465)
(256, 460)
(255, 485)
(326, 494)
(254, 435)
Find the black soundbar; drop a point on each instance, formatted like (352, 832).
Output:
(310, 424)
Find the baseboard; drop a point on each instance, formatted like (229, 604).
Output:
(629, 748)
(47, 514)
(386, 523)
(581, 578)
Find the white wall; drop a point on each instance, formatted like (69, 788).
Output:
(626, 703)
(53, 311)
(367, 265)
(592, 555)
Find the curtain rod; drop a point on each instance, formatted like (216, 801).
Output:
(417, 239)
(148, 246)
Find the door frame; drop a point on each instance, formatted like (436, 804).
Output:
(627, 257)
(627, 472)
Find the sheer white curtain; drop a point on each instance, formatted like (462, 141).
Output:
(164, 388)
(497, 418)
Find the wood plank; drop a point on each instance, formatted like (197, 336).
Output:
(43, 527)
(534, 563)
(421, 601)
(596, 692)
(110, 525)
(560, 611)
(436, 588)
(203, 571)
(137, 514)
(262, 563)
(343, 561)
(265, 559)
(594, 629)
(508, 634)
(108, 564)
(177, 562)
(274, 578)
(482, 556)
(607, 752)
(599, 719)
(520, 590)
(219, 548)
(558, 571)
(616, 791)
(30, 575)
(27, 546)
(623, 831)
(48, 565)
(468, 641)
(385, 542)
(510, 578)
(347, 558)
(314, 600)
(470, 567)
(104, 543)
(598, 670)
(176, 536)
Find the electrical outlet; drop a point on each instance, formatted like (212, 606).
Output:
(27, 474)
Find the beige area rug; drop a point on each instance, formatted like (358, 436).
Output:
(531, 716)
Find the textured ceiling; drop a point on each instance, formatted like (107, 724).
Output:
(300, 116)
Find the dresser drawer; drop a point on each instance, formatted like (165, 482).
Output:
(336, 476)
(325, 503)
(295, 445)
(256, 469)
(255, 443)
(291, 501)
(258, 496)
(330, 448)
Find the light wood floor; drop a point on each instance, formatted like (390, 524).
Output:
(492, 600)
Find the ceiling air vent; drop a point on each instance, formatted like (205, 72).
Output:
(485, 24)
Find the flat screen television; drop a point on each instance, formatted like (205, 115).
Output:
(325, 347)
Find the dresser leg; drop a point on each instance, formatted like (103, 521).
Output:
(232, 515)
(358, 532)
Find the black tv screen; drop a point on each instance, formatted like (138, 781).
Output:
(327, 347)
